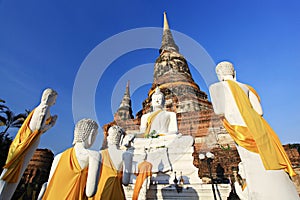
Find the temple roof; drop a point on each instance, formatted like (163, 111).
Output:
(167, 38)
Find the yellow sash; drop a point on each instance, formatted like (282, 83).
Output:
(68, 180)
(110, 183)
(18, 149)
(257, 136)
(150, 120)
(144, 170)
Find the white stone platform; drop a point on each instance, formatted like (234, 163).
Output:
(169, 155)
(188, 192)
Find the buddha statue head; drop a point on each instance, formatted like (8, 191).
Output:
(225, 69)
(49, 97)
(158, 98)
(115, 135)
(85, 132)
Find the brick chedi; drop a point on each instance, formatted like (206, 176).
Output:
(35, 175)
(123, 117)
(125, 111)
(183, 96)
(173, 76)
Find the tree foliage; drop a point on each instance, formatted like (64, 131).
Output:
(8, 120)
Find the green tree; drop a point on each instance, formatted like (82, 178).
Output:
(8, 120)
(2, 108)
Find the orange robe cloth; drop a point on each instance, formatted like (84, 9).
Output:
(18, 149)
(144, 170)
(68, 180)
(257, 136)
(149, 122)
(110, 183)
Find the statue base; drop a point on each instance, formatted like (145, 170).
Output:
(185, 192)
(172, 159)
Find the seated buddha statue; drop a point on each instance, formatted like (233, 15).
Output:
(158, 122)
(158, 131)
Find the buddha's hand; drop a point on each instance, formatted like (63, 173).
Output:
(50, 122)
(53, 120)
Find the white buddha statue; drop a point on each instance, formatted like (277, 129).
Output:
(158, 125)
(74, 172)
(115, 167)
(264, 159)
(158, 122)
(158, 132)
(25, 143)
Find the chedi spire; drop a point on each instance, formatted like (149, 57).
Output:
(125, 110)
(167, 38)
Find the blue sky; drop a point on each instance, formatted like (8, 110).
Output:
(45, 43)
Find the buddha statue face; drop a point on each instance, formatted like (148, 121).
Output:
(158, 99)
(49, 97)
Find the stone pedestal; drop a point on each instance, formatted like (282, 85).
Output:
(170, 156)
(187, 191)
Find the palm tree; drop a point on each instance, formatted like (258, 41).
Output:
(2, 108)
(9, 120)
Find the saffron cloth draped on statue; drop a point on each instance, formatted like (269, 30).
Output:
(68, 180)
(144, 170)
(110, 182)
(257, 136)
(18, 149)
(150, 120)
